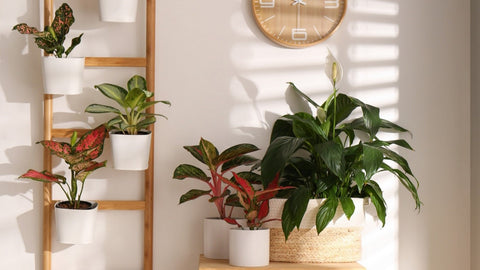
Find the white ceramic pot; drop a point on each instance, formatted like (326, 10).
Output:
(131, 152)
(63, 76)
(215, 238)
(118, 10)
(340, 241)
(249, 248)
(75, 226)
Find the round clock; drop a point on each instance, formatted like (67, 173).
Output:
(298, 23)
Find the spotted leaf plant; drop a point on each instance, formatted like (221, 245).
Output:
(51, 39)
(79, 155)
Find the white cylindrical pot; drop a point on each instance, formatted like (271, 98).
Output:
(215, 238)
(75, 226)
(131, 152)
(63, 76)
(249, 248)
(118, 10)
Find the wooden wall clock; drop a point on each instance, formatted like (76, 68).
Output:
(298, 23)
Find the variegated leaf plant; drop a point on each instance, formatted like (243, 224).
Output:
(255, 203)
(79, 155)
(218, 165)
(51, 39)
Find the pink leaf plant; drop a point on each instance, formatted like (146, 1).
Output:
(79, 155)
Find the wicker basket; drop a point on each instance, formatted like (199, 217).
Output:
(339, 242)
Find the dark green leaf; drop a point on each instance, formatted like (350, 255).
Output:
(236, 151)
(294, 210)
(185, 170)
(332, 154)
(326, 213)
(303, 95)
(196, 152)
(372, 189)
(372, 159)
(282, 127)
(238, 161)
(347, 206)
(75, 42)
(98, 108)
(137, 81)
(193, 194)
(278, 153)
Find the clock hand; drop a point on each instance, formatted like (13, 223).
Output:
(300, 2)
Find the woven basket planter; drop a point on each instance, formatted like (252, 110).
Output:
(339, 242)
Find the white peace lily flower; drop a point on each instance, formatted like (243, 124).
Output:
(333, 69)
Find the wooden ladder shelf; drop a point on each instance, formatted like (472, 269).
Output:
(148, 62)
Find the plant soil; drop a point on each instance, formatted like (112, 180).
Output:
(83, 205)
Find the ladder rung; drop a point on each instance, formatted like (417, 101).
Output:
(118, 205)
(115, 61)
(67, 132)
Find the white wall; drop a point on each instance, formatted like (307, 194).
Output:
(227, 84)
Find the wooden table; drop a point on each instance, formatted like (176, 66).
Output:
(210, 264)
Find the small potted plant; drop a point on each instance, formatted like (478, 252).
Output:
(129, 137)
(219, 165)
(75, 219)
(124, 11)
(332, 159)
(250, 246)
(62, 75)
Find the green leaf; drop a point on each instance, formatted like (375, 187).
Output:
(372, 159)
(146, 105)
(359, 178)
(282, 127)
(146, 122)
(303, 94)
(193, 194)
(397, 159)
(75, 42)
(196, 152)
(137, 81)
(236, 151)
(376, 196)
(326, 213)
(113, 92)
(348, 206)
(371, 117)
(332, 154)
(294, 210)
(210, 153)
(278, 153)
(406, 182)
(345, 106)
(306, 126)
(134, 98)
(189, 171)
(251, 177)
(98, 108)
(238, 161)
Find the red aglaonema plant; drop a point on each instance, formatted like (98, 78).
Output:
(255, 203)
(219, 165)
(79, 155)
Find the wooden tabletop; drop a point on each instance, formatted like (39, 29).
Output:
(210, 264)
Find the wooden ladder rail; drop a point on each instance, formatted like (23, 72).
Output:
(49, 132)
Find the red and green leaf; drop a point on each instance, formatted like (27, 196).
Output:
(63, 20)
(43, 176)
(60, 149)
(91, 139)
(92, 167)
(193, 194)
(23, 28)
(263, 210)
(231, 221)
(246, 186)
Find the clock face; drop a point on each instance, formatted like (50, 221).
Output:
(298, 23)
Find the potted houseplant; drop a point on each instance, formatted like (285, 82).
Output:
(250, 245)
(74, 218)
(118, 10)
(62, 75)
(332, 157)
(129, 137)
(219, 166)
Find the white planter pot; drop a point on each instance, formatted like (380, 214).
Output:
(63, 76)
(340, 241)
(118, 10)
(215, 238)
(249, 248)
(130, 152)
(75, 226)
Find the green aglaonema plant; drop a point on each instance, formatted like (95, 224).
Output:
(79, 155)
(51, 39)
(255, 203)
(218, 166)
(326, 156)
(134, 103)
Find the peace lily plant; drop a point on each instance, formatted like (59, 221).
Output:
(323, 156)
